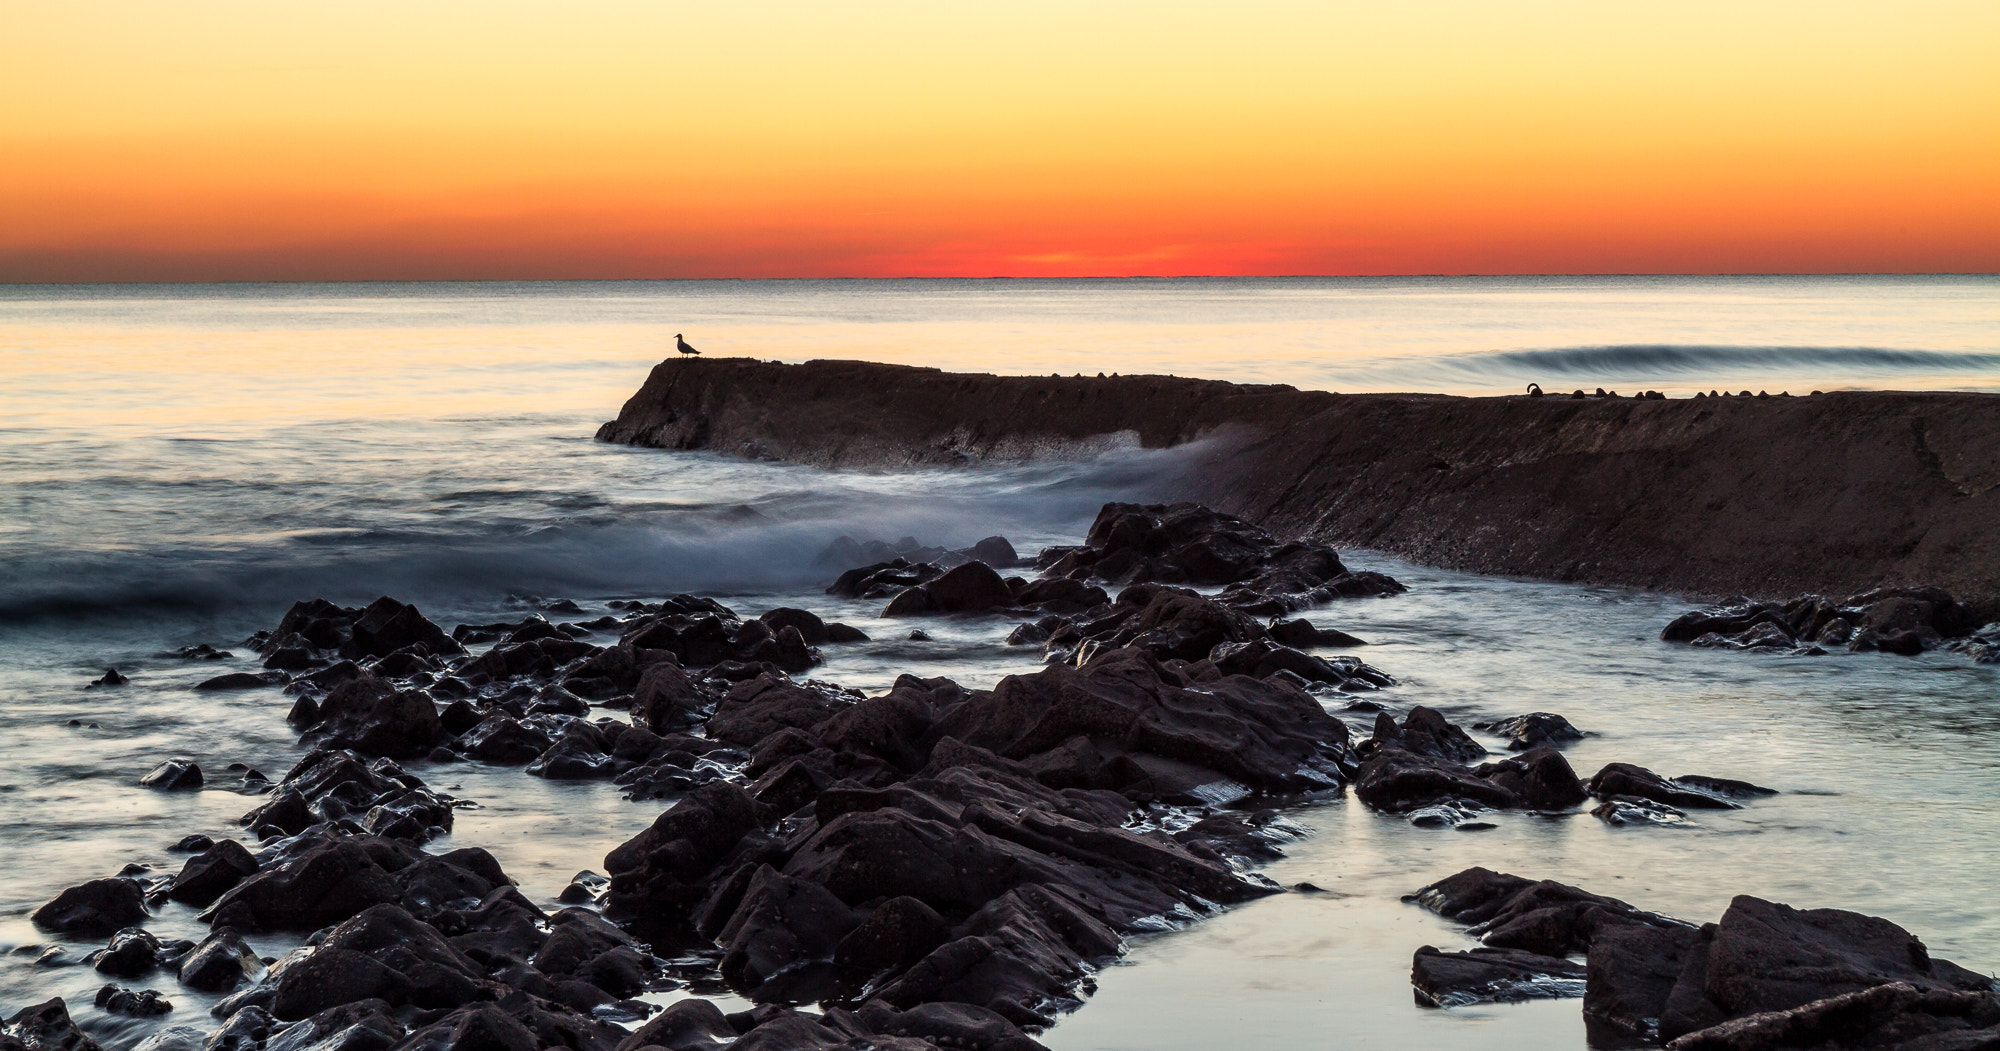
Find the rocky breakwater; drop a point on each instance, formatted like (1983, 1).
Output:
(936, 867)
(1834, 493)
(1765, 976)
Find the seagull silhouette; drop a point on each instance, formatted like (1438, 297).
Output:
(682, 346)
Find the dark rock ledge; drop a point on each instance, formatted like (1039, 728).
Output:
(1765, 976)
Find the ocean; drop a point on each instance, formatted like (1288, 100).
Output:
(178, 463)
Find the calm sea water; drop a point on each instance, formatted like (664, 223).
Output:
(179, 463)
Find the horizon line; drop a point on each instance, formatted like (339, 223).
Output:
(1009, 277)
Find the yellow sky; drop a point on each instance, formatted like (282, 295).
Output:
(445, 139)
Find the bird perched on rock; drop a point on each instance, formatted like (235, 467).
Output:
(682, 346)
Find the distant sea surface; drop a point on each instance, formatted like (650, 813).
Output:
(178, 463)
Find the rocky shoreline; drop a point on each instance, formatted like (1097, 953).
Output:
(933, 866)
(1833, 493)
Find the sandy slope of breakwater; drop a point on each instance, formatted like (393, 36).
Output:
(1834, 492)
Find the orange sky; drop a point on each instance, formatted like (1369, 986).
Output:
(274, 139)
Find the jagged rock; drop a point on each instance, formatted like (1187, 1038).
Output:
(1454, 979)
(45, 1027)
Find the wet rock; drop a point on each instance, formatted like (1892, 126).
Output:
(1399, 782)
(667, 699)
(110, 678)
(947, 1025)
(1542, 779)
(1424, 732)
(884, 579)
(686, 1025)
(1534, 730)
(664, 870)
(132, 952)
(970, 588)
(1632, 810)
(323, 883)
(809, 625)
(364, 1026)
(1624, 779)
(142, 1003)
(1232, 735)
(1454, 979)
(193, 844)
(330, 978)
(1301, 634)
(1895, 620)
(758, 708)
(784, 924)
(1897, 1016)
(45, 1027)
(174, 1038)
(241, 680)
(500, 738)
(97, 908)
(370, 715)
(1190, 544)
(173, 775)
(842, 633)
(1632, 971)
(387, 626)
(1763, 956)
(898, 933)
(220, 962)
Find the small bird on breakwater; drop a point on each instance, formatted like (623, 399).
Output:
(682, 346)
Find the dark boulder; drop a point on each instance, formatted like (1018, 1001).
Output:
(97, 908)
(1632, 971)
(1426, 732)
(809, 625)
(374, 717)
(899, 932)
(783, 926)
(1542, 779)
(388, 625)
(758, 708)
(132, 952)
(504, 740)
(970, 588)
(364, 1026)
(323, 883)
(1534, 730)
(1764, 956)
(686, 1025)
(135, 1003)
(220, 962)
(331, 978)
(45, 1027)
(884, 579)
(1398, 782)
(204, 877)
(667, 699)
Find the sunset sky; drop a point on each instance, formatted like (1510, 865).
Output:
(276, 139)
